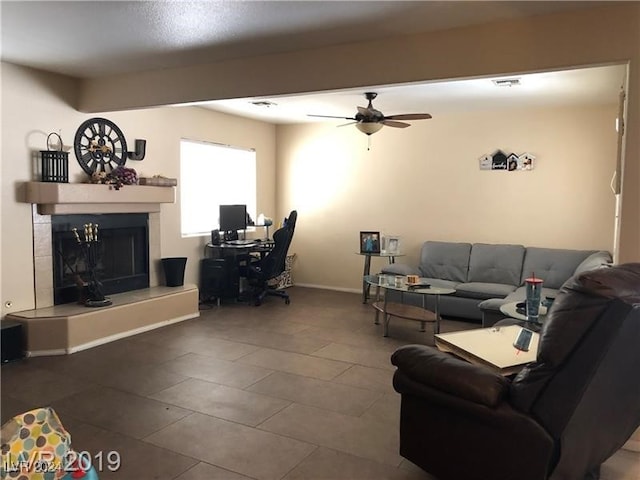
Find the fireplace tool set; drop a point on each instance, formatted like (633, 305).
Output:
(89, 246)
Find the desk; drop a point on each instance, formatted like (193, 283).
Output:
(223, 265)
(492, 347)
(367, 268)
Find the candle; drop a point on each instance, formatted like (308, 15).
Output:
(95, 233)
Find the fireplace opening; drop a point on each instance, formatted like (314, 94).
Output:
(123, 258)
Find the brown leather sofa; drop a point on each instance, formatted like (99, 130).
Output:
(560, 418)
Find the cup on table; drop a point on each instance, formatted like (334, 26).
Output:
(534, 294)
(399, 281)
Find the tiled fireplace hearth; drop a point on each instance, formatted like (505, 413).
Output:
(69, 327)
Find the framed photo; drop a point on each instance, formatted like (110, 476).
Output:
(369, 242)
(393, 245)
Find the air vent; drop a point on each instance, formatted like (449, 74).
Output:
(264, 103)
(507, 82)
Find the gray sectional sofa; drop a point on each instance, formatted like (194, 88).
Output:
(487, 275)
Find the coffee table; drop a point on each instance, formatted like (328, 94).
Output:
(402, 310)
(367, 268)
(492, 347)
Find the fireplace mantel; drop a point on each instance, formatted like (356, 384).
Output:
(76, 198)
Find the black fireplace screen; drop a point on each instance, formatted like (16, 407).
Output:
(123, 258)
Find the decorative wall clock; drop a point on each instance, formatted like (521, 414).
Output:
(100, 146)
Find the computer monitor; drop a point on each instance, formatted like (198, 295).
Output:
(233, 217)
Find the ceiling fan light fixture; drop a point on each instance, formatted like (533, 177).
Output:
(369, 127)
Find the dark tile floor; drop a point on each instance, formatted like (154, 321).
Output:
(273, 392)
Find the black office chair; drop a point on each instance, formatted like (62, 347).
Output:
(260, 272)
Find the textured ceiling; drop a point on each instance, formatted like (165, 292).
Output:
(89, 39)
(93, 38)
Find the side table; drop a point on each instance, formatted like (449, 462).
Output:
(367, 269)
(511, 310)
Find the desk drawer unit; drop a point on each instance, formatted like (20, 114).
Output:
(219, 278)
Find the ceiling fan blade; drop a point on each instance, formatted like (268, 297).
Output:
(409, 116)
(393, 123)
(331, 116)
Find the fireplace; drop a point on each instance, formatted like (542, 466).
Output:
(123, 254)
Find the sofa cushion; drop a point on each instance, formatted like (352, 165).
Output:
(445, 260)
(400, 269)
(553, 265)
(496, 264)
(595, 260)
(438, 282)
(483, 291)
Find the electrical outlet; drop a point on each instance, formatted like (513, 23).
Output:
(8, 304)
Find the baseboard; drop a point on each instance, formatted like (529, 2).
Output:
(46, 353)
(109, 339)
(327, 287)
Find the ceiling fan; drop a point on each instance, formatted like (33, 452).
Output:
(369, 120)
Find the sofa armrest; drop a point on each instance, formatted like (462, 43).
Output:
(446, 373)
(400, 269)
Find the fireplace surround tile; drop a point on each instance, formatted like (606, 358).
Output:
(44, 297)
(42, 239)
(43, 254)
(37, 218)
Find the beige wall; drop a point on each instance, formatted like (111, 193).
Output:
(34, 104)
(424, 183)
(602, 35)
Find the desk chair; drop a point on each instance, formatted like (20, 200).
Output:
(259, 273)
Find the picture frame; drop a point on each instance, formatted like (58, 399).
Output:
(369, 242)
(393, 245)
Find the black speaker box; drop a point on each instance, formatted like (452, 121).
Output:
(12, 341)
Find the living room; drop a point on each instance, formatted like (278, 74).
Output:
(422, 183)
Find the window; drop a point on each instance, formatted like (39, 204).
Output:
(212, 175)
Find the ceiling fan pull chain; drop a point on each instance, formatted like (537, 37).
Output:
(368, 142)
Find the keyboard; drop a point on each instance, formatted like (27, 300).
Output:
(240, 242)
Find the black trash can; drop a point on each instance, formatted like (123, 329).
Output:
(174, 270)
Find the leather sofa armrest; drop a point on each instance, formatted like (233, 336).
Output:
(448, 374)
(400, 269)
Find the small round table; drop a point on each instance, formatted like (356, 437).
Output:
(402, 310)
(367, 268)
(511, 310)
(516, 317)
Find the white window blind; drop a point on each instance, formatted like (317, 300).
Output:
(212, 175)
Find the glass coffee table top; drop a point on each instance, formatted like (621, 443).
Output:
(389, 282)
(511, 309)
